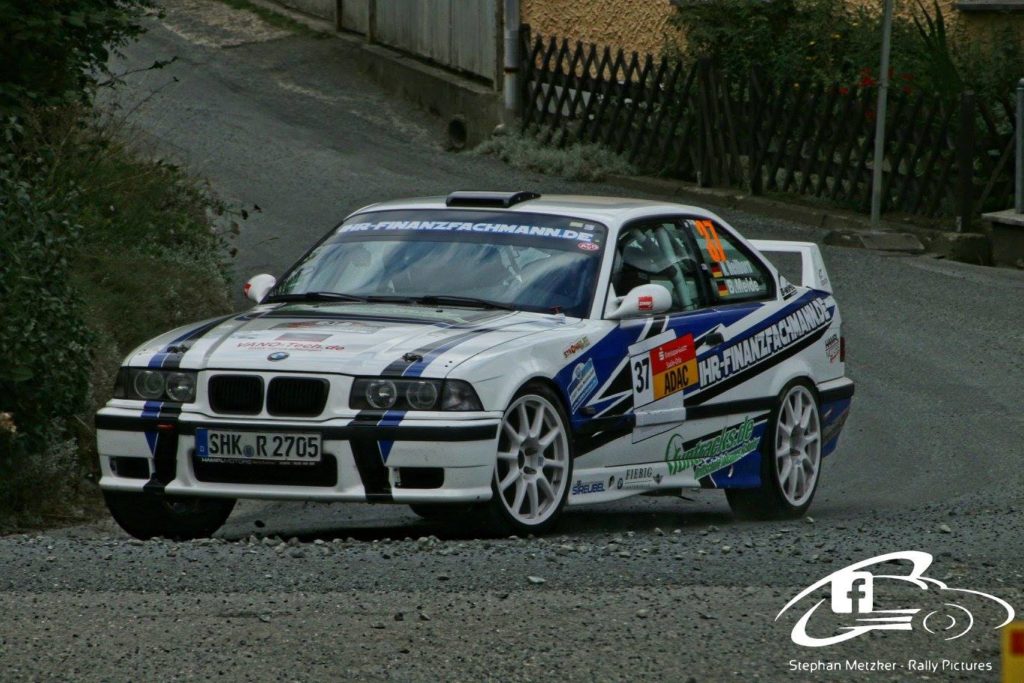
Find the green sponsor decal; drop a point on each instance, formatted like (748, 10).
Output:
(713, 453)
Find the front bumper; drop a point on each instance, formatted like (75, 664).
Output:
(400, 461)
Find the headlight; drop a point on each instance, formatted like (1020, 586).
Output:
(181, 386)
(421, 395)
(143, 384)
(383, 393)
(149, 384)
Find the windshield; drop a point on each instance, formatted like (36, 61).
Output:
(525, 261)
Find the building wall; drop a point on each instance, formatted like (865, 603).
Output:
(643, 25)
(639, 25)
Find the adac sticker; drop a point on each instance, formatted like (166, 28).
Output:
(664, 370)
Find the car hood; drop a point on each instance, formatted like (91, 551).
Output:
(347, 338)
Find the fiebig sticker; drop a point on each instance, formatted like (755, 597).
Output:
(643, 477)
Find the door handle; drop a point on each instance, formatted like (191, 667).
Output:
(714, 338)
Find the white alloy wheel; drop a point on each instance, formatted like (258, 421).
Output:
(798, 446)
(533, 467)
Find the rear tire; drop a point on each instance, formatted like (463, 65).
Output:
(182, 518)
(790, 460)
(534, 464)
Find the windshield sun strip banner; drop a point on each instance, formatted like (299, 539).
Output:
(528, 229)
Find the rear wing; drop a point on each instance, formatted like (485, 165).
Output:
(813, 271)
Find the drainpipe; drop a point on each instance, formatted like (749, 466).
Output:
(511, 70)
(880, 114)
(1018, 183)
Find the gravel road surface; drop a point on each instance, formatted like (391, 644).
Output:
(650, 588)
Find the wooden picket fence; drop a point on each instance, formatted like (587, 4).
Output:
(944, 157)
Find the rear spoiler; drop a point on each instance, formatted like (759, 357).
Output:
(813, 271)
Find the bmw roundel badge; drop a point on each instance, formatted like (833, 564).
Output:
(278, 355)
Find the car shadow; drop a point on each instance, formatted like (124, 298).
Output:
(309, 522)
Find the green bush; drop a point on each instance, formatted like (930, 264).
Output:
(102, 249)
(53, 51)
(43, 337)
(837, 41)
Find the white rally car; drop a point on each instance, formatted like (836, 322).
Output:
(501, 352)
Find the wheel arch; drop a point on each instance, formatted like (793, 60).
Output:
(798, 371)
(545, 381)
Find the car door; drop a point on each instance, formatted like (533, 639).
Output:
(661, 351)
(735, 385)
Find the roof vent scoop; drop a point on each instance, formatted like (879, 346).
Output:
(490, 200)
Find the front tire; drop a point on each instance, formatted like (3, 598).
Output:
(534, 464)
(182, 518)
(790, 460)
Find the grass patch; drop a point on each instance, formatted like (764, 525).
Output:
(590, 162)
(109, 249)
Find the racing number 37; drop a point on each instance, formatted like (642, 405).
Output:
(642, 368)
(664, 370)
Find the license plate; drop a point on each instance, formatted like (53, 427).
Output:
(215, 444)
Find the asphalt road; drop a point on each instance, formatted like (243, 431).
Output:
(647, 588)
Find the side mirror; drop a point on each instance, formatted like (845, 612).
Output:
(641, 301)
(258, 286)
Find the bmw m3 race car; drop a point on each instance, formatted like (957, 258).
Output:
(502, 352)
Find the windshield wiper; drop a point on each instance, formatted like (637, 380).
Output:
(315, 296)
(454, 300)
